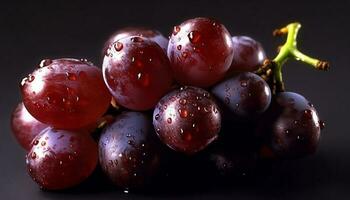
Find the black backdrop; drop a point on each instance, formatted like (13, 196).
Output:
(46, 29)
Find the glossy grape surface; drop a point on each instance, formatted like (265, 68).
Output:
(25, 127)
(148, 33)
(137, 72)
(61, 159)
(245, 95)
(248, 55)
(66, 93)
(200, 52)
(187, 119)
(291, 126)
(128, 150)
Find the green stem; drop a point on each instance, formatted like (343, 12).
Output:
(290, 50)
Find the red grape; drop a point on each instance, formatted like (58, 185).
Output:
(249, 54)
(66, 93)
(151, 34)
(129, 154)
(61, 159)
(291, 126)
(137, 73)
(200, 52)
(187, 120)
(25, 127)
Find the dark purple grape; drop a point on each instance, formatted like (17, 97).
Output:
(137, 72)
(291, 126)
(149, 33)
(248, 55)
(25, 127)
(245, 95)
(187, 120)
(200, 52)
(61, 159)
(128, 150)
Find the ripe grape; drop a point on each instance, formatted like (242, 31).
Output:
(243, 96)
(291, 127)
(25, 127)
(61, 159)
(151, 34)
(248, 55)
(200, 52)
(128, 150)
(66, 93)
(187, 120)
(137, 73)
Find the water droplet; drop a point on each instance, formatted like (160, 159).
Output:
(139, 75)
(71, 76)
(206, 94)
(118, 46)
(120, 155)
(36, 142)
(198, 108)
(183, 101)
(227, 100)
(158, 130)
(130, 142)
(183, 113)
(133, 59)
(179, 47)
(286, 131)
(43, 143)
(244, 84)
(176, 29)
(128, 135)
(24, 80)
(143, 145)
(181, 131)
(156, 117)
(135, 174)
(296, 122)
(31, 78)
(45, 63)
(126, 191)
(169, 120)
(322, 124)
(136, 39)
(33, 155)
(193, 125)
(308, 113)
(310, 104)
(61, 162)
(194, 36)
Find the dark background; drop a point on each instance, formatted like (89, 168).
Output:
(43, 29)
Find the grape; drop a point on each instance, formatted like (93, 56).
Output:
(66, 93)
(25, 127)
(137, 73)
(128, 150)
(200, 52)
(61, 159)
(151, 34)
(249, 54)
(291, 127)
(244, 96)
(187, 120)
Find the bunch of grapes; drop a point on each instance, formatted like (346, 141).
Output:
(202, 96)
